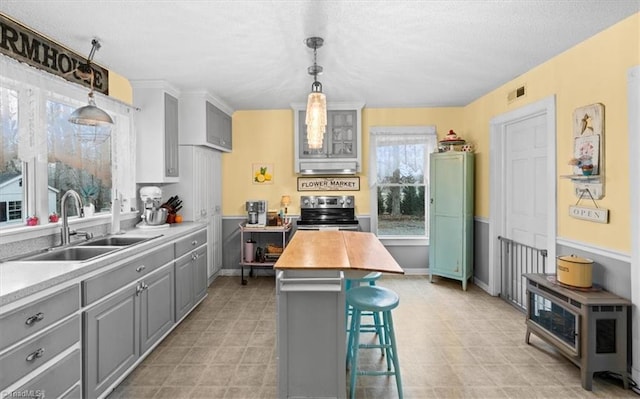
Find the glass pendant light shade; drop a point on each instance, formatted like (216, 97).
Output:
(90, 115)
(316, 119)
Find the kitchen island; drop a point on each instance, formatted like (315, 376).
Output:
(311, 325)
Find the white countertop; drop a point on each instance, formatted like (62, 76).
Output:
(19, 279)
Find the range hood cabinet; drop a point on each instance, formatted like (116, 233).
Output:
(341, 152)
(328, 168)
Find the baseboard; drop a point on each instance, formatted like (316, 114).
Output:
(481, 285)
(258, 271)
(417, 271)
(269, 272)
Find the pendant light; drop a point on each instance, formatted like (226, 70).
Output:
(90, 115)
(316, 119)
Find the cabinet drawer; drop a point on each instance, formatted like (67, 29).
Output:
(32, 354)
(32, 318)
(191, 242)
(103, 284)
(75, 393)
(54, 381)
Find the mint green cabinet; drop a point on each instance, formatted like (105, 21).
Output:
(451, 216)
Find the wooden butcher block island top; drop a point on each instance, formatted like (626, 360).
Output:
(343, 250)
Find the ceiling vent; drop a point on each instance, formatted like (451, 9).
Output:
(516, 94)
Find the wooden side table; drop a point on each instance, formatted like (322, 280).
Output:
(588, 327)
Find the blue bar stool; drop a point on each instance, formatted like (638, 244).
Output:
(376, 327)
(378, 300)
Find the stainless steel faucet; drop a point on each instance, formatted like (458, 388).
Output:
(65, 233)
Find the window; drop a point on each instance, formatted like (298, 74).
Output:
(11, 192)
(43, 155)
(399, 173)
(80, 162)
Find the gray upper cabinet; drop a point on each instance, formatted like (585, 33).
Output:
(341, 151)
(157, 127)
(206, 121)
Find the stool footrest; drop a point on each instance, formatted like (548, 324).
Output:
(374, 373)
(373, 346)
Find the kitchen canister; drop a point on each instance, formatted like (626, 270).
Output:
(575, 271)
(249, 252)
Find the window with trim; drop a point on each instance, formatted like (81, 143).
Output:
(43, 155)
(80, 162)
(399, 180)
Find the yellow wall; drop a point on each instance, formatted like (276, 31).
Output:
(267, 137)
(120, 88)
(594, 71)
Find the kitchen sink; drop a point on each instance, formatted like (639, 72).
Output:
(115, 241)
(77, 253)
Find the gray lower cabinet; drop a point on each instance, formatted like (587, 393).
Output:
(111, 340)
(54, 381)
(156, 307)
(120, 329)
(191, 280)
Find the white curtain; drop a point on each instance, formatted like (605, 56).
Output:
(35, 86)
(396, 135)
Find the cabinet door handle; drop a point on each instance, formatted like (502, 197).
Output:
(139, 289)
(35, 318)
(144, 286)
(194, 256)
(194, 242)
(35, 354)
(140, 268)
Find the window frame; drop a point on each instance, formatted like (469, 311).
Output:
(34, 89)
(429, 131)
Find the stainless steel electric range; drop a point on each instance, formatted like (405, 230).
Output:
(327, 212)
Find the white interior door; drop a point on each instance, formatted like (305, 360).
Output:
(522, 182)
(526, 181)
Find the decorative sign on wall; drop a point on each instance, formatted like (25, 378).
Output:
(25, 45)
(599, 215)
(262, 173)
(328, 184)
(588, 129)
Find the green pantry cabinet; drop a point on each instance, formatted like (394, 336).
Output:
(451, 216)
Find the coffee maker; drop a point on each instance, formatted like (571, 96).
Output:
(256, 213)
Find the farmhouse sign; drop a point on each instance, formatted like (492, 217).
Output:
(599, 215)
(328, 183)
(21, 43)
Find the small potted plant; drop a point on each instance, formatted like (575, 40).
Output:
(585, 163)
(88, 194)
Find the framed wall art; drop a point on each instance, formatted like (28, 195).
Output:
(262, 173)
(588, 134)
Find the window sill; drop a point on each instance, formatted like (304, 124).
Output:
(404, 241)
(19, 233)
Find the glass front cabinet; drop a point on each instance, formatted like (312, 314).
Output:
(341, 150)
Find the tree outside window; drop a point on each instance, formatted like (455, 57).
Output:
(399, 163)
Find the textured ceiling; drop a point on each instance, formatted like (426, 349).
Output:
(251, 54)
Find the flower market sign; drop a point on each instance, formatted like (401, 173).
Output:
(25, 45)
(328, 184)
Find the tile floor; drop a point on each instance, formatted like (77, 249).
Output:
(452, 344)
